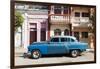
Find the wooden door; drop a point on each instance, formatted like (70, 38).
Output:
(43, 34)
(33, 36)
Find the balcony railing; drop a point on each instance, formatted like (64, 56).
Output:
(60, 19)
(82, 22)
(80, 19)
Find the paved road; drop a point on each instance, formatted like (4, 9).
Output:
(86, 56)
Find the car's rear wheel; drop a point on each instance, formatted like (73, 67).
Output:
(36, 54)
(74, 53)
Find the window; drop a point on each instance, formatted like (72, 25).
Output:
(65, 11)
(55, 40)
(77, 14)
(38, 7)
(66, 32)
(84, 14)
(84, 34)
(76, 34)
(30, 7)
(44, 7)
(57, 32)
(57, 9)
(18, 6)
(43, 25)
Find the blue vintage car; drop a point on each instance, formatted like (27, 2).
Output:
(57, 45)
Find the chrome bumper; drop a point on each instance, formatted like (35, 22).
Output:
(90, 50)
(28, 54)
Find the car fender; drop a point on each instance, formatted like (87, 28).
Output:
(42, 49)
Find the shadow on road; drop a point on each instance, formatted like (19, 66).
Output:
(47, 56)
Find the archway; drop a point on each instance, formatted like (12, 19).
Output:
(66, 32)
(57, 32)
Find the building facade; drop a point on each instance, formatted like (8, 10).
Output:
(80, 19)
(35, 26)
(59, 20)
(44, 21)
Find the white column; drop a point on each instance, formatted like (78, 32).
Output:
(62, 33)
(72, 33)
(24, 32)
(38, 31)
(80, 35)
(46, 30)
(51, 33)
(28, 33)
(62, 10)
(52, 10)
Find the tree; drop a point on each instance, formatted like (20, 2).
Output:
(18, 23)
(92, 20)
(92, 28)
(18, 20)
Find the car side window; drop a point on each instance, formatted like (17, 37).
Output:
(63, 39)
(72, 40)
(68, 39)
(55, 40)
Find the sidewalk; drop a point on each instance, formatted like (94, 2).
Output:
(19, 51)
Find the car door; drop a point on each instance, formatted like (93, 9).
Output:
(64, 43)
(55, 46)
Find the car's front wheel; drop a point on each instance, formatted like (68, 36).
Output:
(36, 54)
(74, 53)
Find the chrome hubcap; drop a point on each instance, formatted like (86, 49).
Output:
(35, 54)
(74, 53)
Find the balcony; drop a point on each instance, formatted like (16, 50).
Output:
(82, 22)
(56, 19)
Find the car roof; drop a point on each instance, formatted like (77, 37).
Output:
(64, 37)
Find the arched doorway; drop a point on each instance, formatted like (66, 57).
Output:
(57, 32)
(66, 32)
